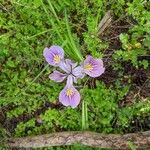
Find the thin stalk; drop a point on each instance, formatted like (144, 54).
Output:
(39, 33)
(83, 116)
(53, 11)
(84, 112)
(52, 23)
(45, 10)
(86, 116)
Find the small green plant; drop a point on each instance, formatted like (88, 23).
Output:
(135, 43)
(102, 103)
(131, 145)
(131, 50)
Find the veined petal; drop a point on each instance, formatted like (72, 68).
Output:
(93, 67)
(71, 63)
(57, 76)
(63, 98)
(78, 72)
(69, 80)
(75, 99)
(54, 55)
(69, 96)
(67, 65)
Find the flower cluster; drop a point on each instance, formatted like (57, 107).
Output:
(70, 96)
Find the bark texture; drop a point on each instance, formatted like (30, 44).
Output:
(104, 23)
(113, 141)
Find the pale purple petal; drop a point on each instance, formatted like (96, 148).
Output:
(78, 72)
(50, 53)
(63, 98)
(65, 67)
(72, 100)
(97, 67)
(57, 76)
(69, 80)
(71, 63)
(75, 99)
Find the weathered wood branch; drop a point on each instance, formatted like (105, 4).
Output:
(104, 23)
(114, 141)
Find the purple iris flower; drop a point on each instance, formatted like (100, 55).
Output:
(93, 67)
(70, 96)
(54, 55)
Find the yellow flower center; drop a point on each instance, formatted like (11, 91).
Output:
(88, 67)
(69, 92)
(56, 58)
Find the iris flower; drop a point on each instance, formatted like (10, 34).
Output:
(54, 55)
(70, 96)
(93, 67)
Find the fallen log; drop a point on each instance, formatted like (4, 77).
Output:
(113, 141)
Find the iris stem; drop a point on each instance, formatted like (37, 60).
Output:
(84, 116)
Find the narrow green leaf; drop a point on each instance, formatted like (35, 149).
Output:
(74, 48)
(131, 145)
(53, 11)
(86, 116)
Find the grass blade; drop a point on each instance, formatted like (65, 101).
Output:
(131, 145)
(53, 11)
(86, 116)
(74, 48)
